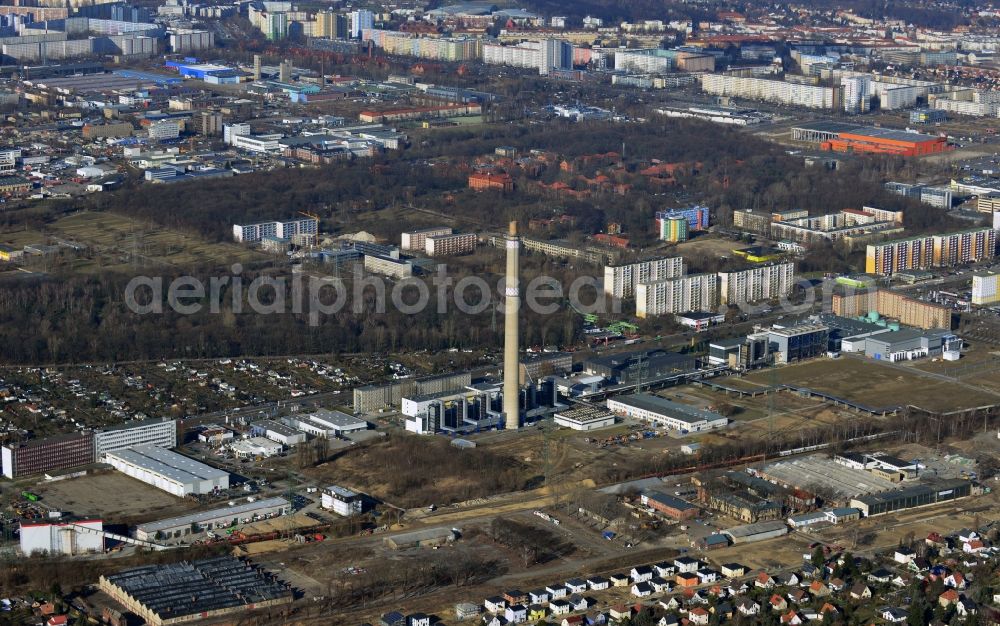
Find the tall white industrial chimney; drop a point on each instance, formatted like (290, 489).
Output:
(511, 332)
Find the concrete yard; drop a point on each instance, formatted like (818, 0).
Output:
(113, 496)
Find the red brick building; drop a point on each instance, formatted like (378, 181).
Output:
(487, 180)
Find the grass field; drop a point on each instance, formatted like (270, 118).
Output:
(709, 246)
(877, 385)
(114, 238)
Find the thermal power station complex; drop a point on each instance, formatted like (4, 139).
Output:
(470, 406)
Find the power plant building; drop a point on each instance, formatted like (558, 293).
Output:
(174, 473)
(372, 398)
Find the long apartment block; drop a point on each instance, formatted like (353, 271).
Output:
(620, 281)
(967, 246)
(697, 292)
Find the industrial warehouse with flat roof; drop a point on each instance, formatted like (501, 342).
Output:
(176, 527)
(169, 471)
(659, 410)
(189, 592)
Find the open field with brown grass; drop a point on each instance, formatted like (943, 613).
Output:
(113, 234)
(876, 384)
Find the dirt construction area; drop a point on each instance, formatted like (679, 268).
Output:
(877, 385)
(111, 495)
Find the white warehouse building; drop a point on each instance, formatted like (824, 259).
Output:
(156, 432)
(661, 411)
(342, 501)
(69, 539)
(169, 471)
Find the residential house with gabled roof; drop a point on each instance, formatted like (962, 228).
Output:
(797, 596)
(598, 583)
(664, 569)
(836, 585)
(495, 604)
(778, 603)
(537, 612)
(904, 555)
(733, 570)
(819, 589)
(764, 581)
(737, 590)
(660, 585)
(620, 612)
(641, 573)
(706, 575)
(418, 619)
(955, 580)
(893, 615)
(559, 607)
(578, 602)
(620, 580)
(686, 564)
(515, 596)
(556, 591)
(747, 607)
(965, 607)
(861, 591)
(576, 585)
(902, 580)
(516, 613)
(597, 618)
(881, 575)
(642, 590)
(948, 598)
(791, 618)
(539, 596)
(699, 615)
(696, 597)
(723, 609)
